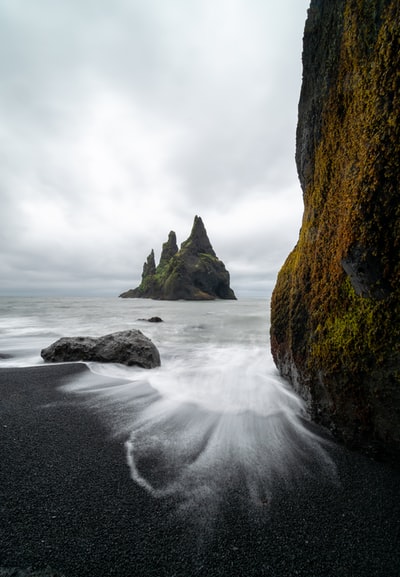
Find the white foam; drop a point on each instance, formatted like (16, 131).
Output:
(230, 379)
(198, 424)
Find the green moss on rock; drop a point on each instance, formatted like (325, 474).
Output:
(192, 273)
(335, 310)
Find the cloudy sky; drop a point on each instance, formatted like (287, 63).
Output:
(121, 120)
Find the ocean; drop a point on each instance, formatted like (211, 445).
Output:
(215, 410)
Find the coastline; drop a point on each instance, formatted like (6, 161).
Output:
(67, 502)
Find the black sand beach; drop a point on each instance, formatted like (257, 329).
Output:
(67, 502)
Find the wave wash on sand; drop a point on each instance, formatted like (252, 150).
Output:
(220, 419)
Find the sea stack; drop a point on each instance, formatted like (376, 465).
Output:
(192, 273)
(335, 309)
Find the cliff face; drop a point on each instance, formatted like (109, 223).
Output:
(335, 310)
(192, 273)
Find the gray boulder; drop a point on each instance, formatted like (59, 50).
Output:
(130, 348)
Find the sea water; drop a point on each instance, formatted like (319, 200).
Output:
(215, 414)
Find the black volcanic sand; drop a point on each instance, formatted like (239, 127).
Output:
(68, 504)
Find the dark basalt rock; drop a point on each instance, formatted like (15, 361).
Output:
(169, 249)
(130, 348)
(192, 273)
(365, 272)
(335, 309)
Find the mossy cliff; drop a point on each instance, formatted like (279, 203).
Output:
(192, 273)
(335, 309)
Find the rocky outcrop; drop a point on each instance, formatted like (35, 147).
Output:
(192, 273)
(169, 250)
(130, 348)
(335, 309)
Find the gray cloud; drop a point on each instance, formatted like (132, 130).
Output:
(120, 121)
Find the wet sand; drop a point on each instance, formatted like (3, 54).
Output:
(67, 502)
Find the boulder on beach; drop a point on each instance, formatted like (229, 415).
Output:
(131, 348)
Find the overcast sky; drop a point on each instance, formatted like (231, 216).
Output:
(121, 120)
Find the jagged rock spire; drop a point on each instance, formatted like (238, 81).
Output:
(198, 241)
(169, 249)
(149, 267)
(192, 273)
